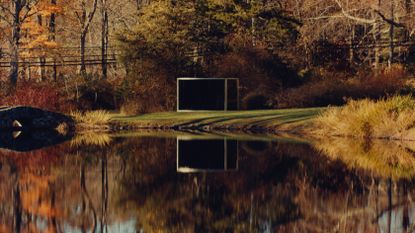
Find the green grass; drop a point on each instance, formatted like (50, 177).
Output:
(266, 119)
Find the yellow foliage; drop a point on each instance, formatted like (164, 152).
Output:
(51, 9)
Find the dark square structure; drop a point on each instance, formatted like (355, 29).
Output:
(213, 155)
(207, 94)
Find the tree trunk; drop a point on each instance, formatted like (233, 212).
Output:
(391, 34)
(85, 20)
(52, 23)
(104, 38)
(55, 70)
(82, 52)
(42, 71)
(14, 61)
(52, 36)
(17, 206)
(377, 38)
(351, 46)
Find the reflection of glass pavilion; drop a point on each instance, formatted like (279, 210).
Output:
(213, 155)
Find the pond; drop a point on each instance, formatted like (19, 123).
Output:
(192, 182)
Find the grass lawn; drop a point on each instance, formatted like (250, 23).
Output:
(265, 119)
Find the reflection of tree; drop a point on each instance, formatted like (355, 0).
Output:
(253, 198)
(87, 204)
(281, 188)
(17, 207)
(42, 190)
(104, 194)
(292, 189)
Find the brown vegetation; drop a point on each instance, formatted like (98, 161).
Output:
(391, 118)
(334, 88)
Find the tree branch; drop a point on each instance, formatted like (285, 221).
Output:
(389, 21)
(358, 19)
(90, 17)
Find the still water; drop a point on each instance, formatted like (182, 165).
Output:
(204, 183)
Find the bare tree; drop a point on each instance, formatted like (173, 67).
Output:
(85, 19)
(361, 22)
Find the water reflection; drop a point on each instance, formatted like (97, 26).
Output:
(207, 155)
(31, 140)
(394, 159)
(131, 184)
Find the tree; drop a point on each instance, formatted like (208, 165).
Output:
(84, 16)
(373, 25)
(14, 13)
(166, 30)
(39, 39)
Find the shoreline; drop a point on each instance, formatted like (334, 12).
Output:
(296, 122)
(257, 121)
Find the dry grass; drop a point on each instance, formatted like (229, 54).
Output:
(391, 118)
(92, 118)
(382, 158)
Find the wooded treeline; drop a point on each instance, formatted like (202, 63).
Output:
(127, 54)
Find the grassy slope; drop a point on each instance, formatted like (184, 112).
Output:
(285, 119)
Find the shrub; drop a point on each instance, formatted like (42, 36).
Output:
(255, 101)
(97, 94)
(131, 108)
(335, 89)
(41, 95)
(256, 68)
(144, 95)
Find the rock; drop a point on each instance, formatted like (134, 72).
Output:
(32, 118)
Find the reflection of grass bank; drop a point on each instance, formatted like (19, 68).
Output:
(91, 138)
(393, 118)
(263, 120)
(383, 158)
